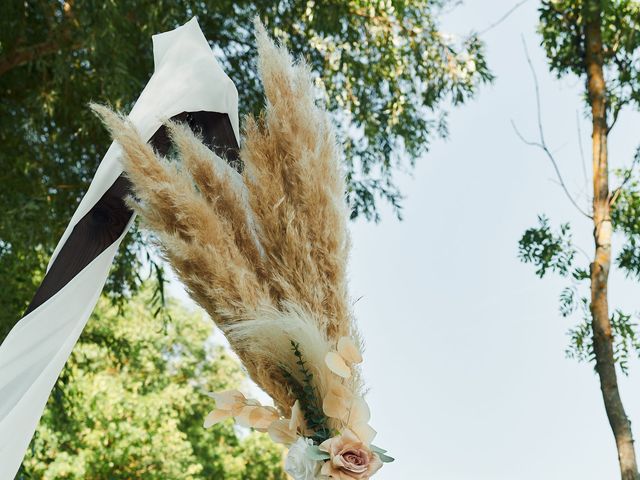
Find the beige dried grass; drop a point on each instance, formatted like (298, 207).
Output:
(264, 253)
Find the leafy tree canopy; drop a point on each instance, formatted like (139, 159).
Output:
(130, 404)
(561, 26)
(388, 70)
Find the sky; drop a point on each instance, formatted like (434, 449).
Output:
(465, 348)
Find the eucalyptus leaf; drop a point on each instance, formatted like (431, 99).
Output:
(381, 452)
(377, 449)
(385, 458)
(314, 453)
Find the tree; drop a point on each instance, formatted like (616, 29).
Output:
(598, 41)
(130, 404)
(387, 68)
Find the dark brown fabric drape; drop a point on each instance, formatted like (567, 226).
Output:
(108, 218)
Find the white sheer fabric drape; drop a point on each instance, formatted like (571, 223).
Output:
(187, 78)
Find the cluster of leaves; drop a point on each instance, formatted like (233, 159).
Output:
(624, 332)
(562, 26)
(388, 70)
(547, 250)
(129, 404)
(554, 251)
(625, 216)
(308, 397)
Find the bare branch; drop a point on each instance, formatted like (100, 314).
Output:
(582, 157)
(623, 68)
(59, 39)
(614, 119)
(502, 18)
(541, 143)
(625, 180)
(537, 90)
(25, 55)
(531, 143)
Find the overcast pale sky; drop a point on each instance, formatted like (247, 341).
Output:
(465, 346)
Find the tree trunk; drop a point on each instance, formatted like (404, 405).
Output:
(602, 335)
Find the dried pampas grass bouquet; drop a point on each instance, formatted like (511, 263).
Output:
(265, 252)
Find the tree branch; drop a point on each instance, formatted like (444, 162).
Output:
(623, 68)
(614, 117)
(582, 157)
(20, 56)
(625, 180)
(502, 18)
(57, 38)
(542, 144)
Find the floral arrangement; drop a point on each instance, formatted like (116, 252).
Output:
(315, 450)
(264, 252)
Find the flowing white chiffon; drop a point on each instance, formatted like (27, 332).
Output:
(187, 78)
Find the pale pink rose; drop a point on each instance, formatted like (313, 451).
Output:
(349, 458)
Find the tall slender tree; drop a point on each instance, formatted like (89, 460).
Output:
(599, 41)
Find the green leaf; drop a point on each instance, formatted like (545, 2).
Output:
(375, 448)
(381, 452)
(314, 453)
(547, 250)
(385, 458)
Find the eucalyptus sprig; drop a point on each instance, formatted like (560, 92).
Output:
(308, 397)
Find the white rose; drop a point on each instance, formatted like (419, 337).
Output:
(298, 464)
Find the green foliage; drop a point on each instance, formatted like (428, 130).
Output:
(388, 70)
(562, 25)
(129, 404)
(625, 336)
(547, 250)
(581, 336)
(554, 251)
(309, 399)
(568, 301)
(626, 340)
(625, 217)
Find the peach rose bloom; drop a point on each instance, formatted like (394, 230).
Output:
(350, 458)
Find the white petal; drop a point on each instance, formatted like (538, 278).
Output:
(336, 365)
(216, 416)
(280, 433)
(244, 417)
(262, 417)
(349, 351)
(297, 419)
(228, 400)
(336, 402)
(365, 433)
(257, 417)
(359, 411)
(348, 436)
